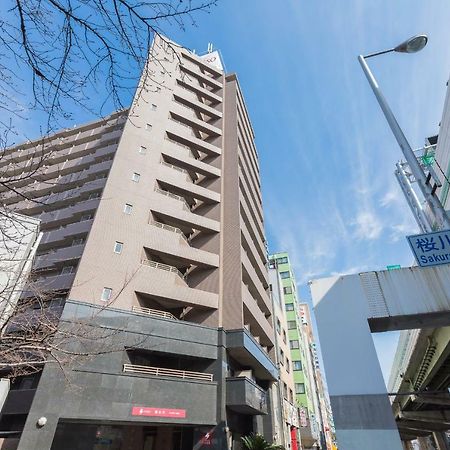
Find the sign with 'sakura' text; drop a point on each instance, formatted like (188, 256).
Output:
(431, 249)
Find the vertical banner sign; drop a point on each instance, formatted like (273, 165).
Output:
(431, 249)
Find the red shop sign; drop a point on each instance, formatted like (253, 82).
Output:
(158, 412)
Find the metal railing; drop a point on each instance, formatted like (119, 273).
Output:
(161, 372)
(162, 266)
(164, 226)
(176, 197)
(153, 312)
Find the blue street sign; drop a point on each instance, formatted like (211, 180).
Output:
(431, 249)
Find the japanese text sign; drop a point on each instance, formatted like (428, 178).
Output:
(431, 249)
(158, 412)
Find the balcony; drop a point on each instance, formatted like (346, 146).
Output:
(167, 282)
(162, 372)
(201, 77)
(187, 117)
(61, 282)
(191, 101)
(256, 287)
(179, 186)
(162, 266)
(153, 312)
(245, 396)
(176, 211)
(58, 256)
(59, 236)
(179, 133)
(162, 243)
(202, 92)
(243, 348)
(258, 322)
(216, 73)
(172, 153)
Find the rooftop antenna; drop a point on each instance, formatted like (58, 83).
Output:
(210, 47)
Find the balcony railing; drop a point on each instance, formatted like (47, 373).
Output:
(176, 197)
(164, 226)
(153, 312)
(162, 266)
(161, 372)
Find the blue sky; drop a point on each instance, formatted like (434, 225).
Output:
(327, 155)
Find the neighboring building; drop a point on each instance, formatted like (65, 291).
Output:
(322, 409)
(286, 408)
(302, 362)
(153, 224)
(19, 241)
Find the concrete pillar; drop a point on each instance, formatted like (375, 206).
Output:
(362, 412)
(441, 440)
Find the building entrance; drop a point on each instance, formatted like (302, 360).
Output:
(83, 436)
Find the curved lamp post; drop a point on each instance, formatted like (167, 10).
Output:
(412, 45)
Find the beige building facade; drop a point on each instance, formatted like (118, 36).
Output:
(155, 213)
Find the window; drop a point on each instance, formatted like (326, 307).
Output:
(282, 260)
(86, 217)
(281, 357)
(127, 208)
(294, 344)
(106, 294)
(148, 127)
(118, 246)
(297, 365)
(154, 107)
(278, 326)
(284, 336)
(291, 396)
(77, 241)
(287, 290)
(67, 269)
(285, 390)
(292, 324)
(289, 307)
(136, 177)
(288, 368)
(284, 275)
(142, 150)
(299, 388)
(94, 195)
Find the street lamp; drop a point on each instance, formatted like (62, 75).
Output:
(412, 45)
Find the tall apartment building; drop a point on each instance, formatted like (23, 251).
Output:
(152, 224)
(302, 364)
(285, 407)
